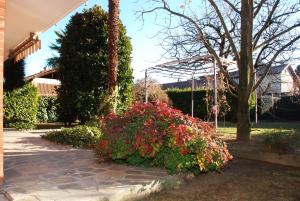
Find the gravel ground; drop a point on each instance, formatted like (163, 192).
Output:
(242, 180)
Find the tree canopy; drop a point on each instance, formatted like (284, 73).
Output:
(83, 65)
(256, 34)
(13, 74)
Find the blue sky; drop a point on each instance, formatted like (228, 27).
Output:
(146, 49)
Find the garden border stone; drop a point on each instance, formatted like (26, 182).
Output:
(254, 153)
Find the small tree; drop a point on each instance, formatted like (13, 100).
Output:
(13, 74)
(155, 92)
(83, 65)
(222, 102)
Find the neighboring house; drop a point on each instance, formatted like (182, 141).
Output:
(280, 80)
(46, 82)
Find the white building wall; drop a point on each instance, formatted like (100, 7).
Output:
(270, 84)
(286, 82)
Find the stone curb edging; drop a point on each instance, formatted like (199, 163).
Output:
(5, 195)
(140, 191)
(270, 157)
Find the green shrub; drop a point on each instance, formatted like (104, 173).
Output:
(79, 136)
(157, 135)
(22, 125)
(20, 107)
(47, 109)
(282, 141)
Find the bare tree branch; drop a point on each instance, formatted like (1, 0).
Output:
(258, 7)
(276, 36)
(234, 49)
(272, 60)
(266, 24)
(233, 7)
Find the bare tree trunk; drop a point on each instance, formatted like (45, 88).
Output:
(113, 37)
(243, 120)
(245, 70)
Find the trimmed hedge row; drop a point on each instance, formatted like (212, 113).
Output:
(23, 108)
(181, 99)
(20, 107)
(285, 108)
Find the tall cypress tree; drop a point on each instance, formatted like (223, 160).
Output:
(83, 66)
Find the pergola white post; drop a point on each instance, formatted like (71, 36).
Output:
(256, 111)
(192, 103)
(185, 68)
(146, 87)
(215, 107)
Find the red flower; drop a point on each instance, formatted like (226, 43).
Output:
(103, 144)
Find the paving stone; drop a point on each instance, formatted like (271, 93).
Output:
(70, 186)
(36, 169)
(62, 180)
(138, 177)
(11, 173)
(116, 174)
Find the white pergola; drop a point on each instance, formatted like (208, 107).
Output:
(191, 68)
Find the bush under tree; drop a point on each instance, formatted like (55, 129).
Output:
(82, 66)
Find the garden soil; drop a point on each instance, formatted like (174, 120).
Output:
(243, 180)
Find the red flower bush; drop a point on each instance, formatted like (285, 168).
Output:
(158, 135)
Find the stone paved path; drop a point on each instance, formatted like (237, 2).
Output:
(36, 169)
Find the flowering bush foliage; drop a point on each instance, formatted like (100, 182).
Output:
(155, 134)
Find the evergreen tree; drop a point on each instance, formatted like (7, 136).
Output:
(83, 65)
(13, 74)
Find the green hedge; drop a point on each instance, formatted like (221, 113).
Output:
(286, 108)
(20, 107)
(47, 109)
(181, 99)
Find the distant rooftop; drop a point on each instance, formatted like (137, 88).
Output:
(46, 73)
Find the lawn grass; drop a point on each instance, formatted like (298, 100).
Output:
(262, 128)
(280, 137)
